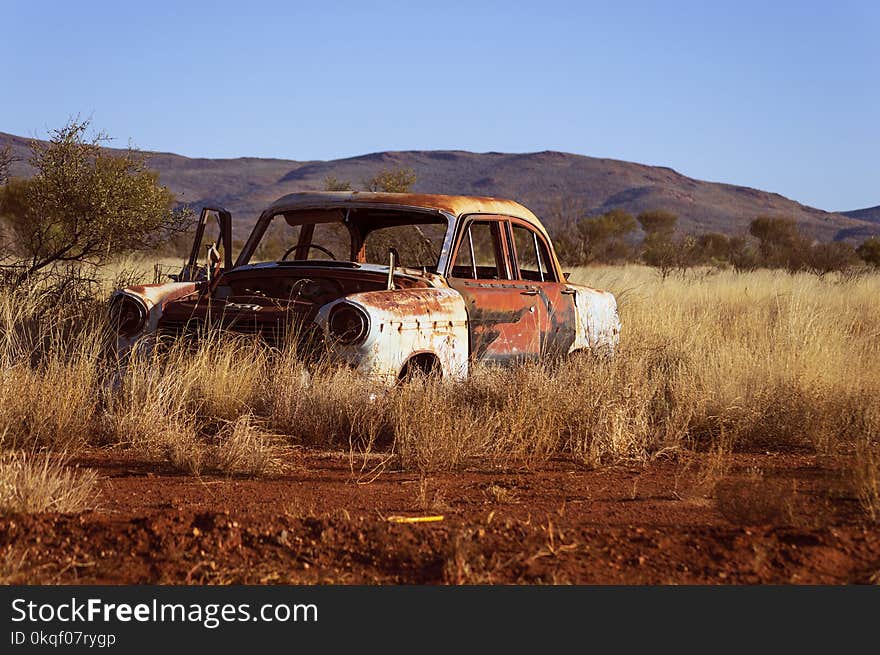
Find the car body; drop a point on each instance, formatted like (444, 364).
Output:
(385, 283)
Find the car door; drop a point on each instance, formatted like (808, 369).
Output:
(214, 232)
(535, 265)
(219, 245)
(502, 312)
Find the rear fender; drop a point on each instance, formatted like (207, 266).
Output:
(598, 324)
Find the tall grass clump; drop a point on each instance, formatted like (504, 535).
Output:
(326, 405)
(588, 410)
(43, 483)
(192, 405)
(435, 428)
(51, 346)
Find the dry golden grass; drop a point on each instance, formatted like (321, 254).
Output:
(715, 362)
(776, 360)
(244, 449)
(49, 368)
(193, 408)
(43, 483)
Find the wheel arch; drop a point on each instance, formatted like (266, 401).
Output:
(426, 362)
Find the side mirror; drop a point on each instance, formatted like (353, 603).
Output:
(566, 276)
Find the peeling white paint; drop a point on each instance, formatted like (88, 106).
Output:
(598, 324)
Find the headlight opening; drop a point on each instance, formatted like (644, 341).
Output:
(127, 316)
(348, 324)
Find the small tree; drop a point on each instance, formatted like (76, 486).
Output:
(773, 230)
(660, 249)
(392, 180)
(332, 183)
(85, 204)
(742, 254)
(823, 258)
(603, 238)
(779, 242)
(6, 159)
(658, 223)
(667, 254)
(561, 219)
(869, 251)
(712, 248)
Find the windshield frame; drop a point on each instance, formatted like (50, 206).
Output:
(262, 225)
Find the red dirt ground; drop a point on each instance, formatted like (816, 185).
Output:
(775, 518)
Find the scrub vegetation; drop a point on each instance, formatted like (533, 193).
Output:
(708, 362)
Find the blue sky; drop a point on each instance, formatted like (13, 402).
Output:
(776, 95)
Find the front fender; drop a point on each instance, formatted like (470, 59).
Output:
(153, 297)
(405, 322)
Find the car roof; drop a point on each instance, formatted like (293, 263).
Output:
(455, 205)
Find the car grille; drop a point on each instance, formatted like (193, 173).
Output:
(273, 334)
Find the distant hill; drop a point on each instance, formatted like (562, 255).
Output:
(539, 180)
(870, 214)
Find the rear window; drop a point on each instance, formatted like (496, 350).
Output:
(532, 255)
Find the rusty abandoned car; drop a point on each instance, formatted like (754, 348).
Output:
(386, 283)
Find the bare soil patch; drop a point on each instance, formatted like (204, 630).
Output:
(320, 522)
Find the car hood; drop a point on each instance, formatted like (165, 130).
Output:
(430, 278)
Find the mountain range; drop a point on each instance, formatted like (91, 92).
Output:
(557, 186)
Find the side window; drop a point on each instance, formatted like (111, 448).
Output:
(478, 252)
(532, 255)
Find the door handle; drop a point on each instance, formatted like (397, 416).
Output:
(529, 292)
(570, 292)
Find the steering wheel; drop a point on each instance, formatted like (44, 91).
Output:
(308, 247)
